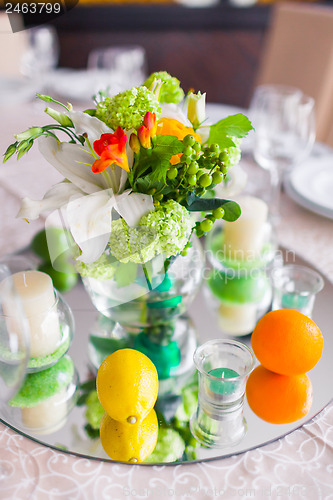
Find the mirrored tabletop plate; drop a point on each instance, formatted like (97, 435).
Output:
(73, 438)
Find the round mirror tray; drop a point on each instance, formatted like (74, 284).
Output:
(77, 438)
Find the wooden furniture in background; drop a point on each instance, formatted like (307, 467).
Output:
(212, 49)
(298, 51)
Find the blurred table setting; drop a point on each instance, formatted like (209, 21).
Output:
(295, 466)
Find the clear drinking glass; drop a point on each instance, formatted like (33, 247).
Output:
(223, 366)
(284, 122)
(18, 469)
(295, 287)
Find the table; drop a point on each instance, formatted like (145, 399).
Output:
(297, 466)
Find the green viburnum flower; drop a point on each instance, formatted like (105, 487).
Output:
(102, 269)
(132, 244)
(166, 230)
(127, 109)
(173, 225)
(171, 90)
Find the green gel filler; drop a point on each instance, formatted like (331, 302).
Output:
(238, 290)
(40, 386)
(220, 387)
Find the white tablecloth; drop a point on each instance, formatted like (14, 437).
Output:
(296, 466)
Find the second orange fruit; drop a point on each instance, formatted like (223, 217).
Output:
(278, 399)
(287, 342)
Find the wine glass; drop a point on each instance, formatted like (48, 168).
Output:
(284, 122)
(18, 469)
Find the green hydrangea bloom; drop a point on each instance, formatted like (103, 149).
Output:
(173, 225)
(234, 153)
(170, 447)
(102, 269)
(171, 90)
(95, 410)
(132, 244)
(166, 230)
(128, 108)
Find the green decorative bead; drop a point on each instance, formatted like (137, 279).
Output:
(205, 180)
(192, 180)
(214, 148)
(217, 177)
(193, 168)
(187, 151)
(218, 212)
(172, 173)
(224, 156)
(197, 147)
(206, 225)
(189, 140)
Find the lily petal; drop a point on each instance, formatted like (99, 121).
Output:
(69, 160)
(89, 220)
(56, 197)
(171, 110)
(90, 125)
(132, 206)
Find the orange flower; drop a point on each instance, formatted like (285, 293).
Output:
(170, 126)
(150, 122)
(112, 149)
(134, 143)
(144, 136)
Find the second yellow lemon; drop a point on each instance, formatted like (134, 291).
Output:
(129, 443)
(127, 385)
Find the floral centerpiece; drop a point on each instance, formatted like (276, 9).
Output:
(136, 168)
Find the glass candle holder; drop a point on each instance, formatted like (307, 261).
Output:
(49, 333)
(295, 287)
(45, 399)
(223, 366)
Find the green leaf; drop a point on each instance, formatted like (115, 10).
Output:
(47, 98)
(61, 118)
(145, 184)
(235, 126)
(88, 386)
(232, 210)
(90, 112)
(10, 151)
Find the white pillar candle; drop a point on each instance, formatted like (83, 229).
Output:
(35, 290)
(237, 319)
(48, 416)
(244, 238)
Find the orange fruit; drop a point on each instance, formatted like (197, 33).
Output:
(129, 443)
(278, 399)
(127, 385)
(287, 342)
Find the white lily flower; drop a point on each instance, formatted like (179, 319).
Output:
(89, 125)
(171, 110)
(87, 198)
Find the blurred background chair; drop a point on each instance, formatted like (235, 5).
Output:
(299, 52)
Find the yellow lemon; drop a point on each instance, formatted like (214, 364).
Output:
(129, 443)
(127, 385)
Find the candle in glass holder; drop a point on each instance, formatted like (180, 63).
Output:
(35, 290)
(244, 238)
(222, 384)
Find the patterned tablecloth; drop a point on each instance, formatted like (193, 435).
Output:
(296, 466)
